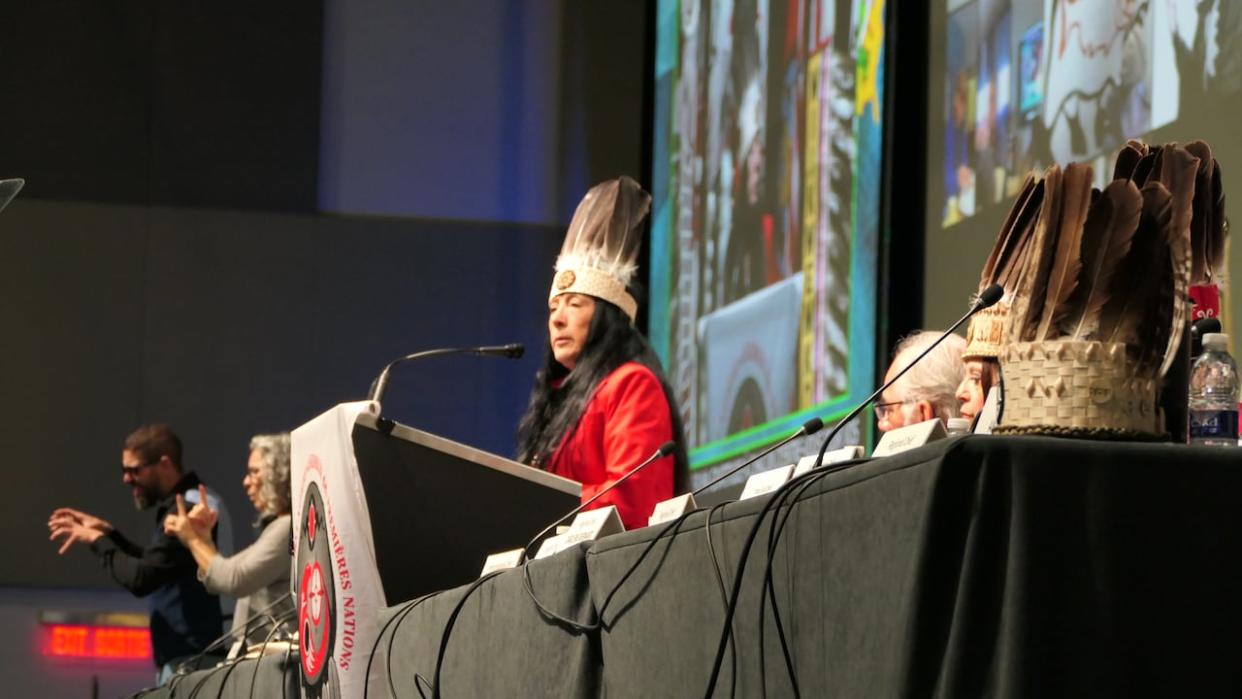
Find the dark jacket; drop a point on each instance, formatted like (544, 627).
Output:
(184, 616)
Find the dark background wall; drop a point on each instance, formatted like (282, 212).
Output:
(168, 260)
(173, 103)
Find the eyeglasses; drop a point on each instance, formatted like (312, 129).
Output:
(135, 470)
(883, 409)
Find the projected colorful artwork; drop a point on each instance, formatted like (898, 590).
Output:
(1090, 74)
(765, 217)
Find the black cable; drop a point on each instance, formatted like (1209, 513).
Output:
(529, 586)
(394, 621)
(793, 495)
(724, 598)
(261, 615)
(254, 676)
(448, 631)
(638, 562)
(284, 667)
(734, 595)
(767, 592)
(226, 666)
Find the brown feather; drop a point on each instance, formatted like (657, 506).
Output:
(1007, 252)
(1067, 260)
(1219, 230)
(1142, 171)
(1000, 248)
(1032, 282)
(1138, 283)
(1127, 159)
(1106, 237)
(1201, 207)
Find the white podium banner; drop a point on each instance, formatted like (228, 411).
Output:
(335, 577)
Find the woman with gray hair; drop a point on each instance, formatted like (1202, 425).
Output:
(258, 575)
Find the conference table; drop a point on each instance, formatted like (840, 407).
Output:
(974, 566)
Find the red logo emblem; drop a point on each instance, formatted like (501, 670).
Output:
(313, 614)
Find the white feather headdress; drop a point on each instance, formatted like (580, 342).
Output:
(600, 253)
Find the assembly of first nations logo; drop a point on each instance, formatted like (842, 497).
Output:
(317, 607)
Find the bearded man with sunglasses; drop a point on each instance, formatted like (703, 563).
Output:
(185, 618)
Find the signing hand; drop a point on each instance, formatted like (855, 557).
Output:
(203, 516)
(75, 527)
(195, 524)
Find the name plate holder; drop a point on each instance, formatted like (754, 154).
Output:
(587, 526)
(672, 508)
(766, 482)
(502, 561)
(909, 437)
(836, 456)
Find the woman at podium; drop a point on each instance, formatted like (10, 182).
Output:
(601, 405)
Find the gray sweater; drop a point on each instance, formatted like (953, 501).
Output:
(258, 576)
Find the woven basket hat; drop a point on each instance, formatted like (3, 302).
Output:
(985, 336)
(600, 253)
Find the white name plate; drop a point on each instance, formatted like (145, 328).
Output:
(594, 524)
(502, 561)
(552, 546)
(836, 456)
(909, 437)
(990, 413)
(766, 482)
(672, 508)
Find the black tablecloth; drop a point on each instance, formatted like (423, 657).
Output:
(981, 566)
(271, 677)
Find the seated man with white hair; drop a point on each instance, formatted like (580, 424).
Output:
(926, 391)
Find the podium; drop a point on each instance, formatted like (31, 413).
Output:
(438, 508)
(381, 516)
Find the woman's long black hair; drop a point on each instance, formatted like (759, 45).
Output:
(554, 412)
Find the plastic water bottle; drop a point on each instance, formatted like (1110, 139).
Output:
(958, 426)
(1214, 395)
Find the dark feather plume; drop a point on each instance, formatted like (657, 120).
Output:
(1066, 262)
(1202, 211)
(1128, 159)
(1032, 284)
(1106, 237)
(1219, 230)
(1140, 297)
(1024, 208)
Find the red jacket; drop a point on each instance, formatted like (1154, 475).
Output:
(626, 420)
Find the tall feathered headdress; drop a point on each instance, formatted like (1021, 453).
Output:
(1108, 271)
(599, 257)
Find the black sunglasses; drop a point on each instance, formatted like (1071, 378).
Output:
(134, 470)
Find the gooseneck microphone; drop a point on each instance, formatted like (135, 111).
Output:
(986, 298)
(511, 351)
(664, 450)
(809, 427)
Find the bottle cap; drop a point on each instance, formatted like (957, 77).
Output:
(958, 425)
(1216, 341)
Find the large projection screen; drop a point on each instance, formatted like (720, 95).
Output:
(766, 184)
(1015, 85)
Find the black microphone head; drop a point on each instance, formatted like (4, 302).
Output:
(812, 426)
(1204, 326)
(515, 350)
(989, 296)
(667, 448)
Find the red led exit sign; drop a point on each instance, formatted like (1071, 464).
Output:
(97, 642)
